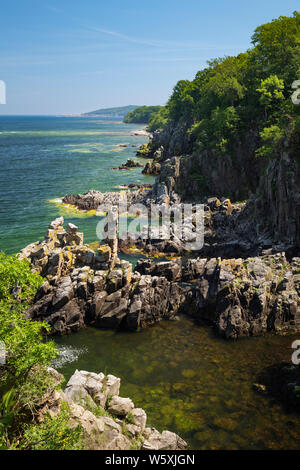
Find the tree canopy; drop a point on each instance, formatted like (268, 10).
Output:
(141, 115)
(234, 94)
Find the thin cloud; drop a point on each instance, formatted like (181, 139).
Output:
(174, 45)
(161, 43)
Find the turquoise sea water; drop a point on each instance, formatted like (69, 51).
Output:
(45, 158)
(188, 380)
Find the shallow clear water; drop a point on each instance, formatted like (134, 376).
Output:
(44, 158)
(193, 383)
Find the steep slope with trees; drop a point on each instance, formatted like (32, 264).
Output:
(236, 129)
(141, 115)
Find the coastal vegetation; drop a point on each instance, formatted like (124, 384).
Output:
(141, 115)
(24, 376)
(237, 94)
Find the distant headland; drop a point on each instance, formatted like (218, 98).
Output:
(119, 112)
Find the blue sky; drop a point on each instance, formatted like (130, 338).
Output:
(73, 56)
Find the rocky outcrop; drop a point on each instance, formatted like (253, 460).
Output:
(108, 421)
(273, 213)
(129, 165)
(207, 172)
(87, 287)
(152, 168)
(270, 185)
(239, 296)
(246, 297)
(93, 199)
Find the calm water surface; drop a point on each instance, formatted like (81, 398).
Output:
(191, 382)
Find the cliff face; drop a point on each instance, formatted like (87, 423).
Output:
(232, 175)
(276, 207)
(271, 186)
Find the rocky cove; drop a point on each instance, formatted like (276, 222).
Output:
(247, 296)
(242, 284)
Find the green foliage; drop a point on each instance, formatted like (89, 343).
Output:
(130, 418)
(24, 379)
(141, 115)
(25, 347)
(215, 132)
(271, 93)
(249, 92)
(226, 79)
(271, 136)
(54, 433)
(277, 47)
(158, 120)
(15, 273)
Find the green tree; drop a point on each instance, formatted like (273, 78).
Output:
(271, 93)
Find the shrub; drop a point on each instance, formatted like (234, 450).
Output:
(24, 379)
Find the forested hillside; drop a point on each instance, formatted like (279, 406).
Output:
(141, 115)
(234, 131)
(251, 91)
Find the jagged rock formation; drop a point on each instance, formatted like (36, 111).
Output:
(272, 212)
(152, 168)
(238, 297)
(95, 288)
(245, 297)
(224, 175)
(108, 421)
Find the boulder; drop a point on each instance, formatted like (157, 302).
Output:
(140, 419)
(120, 406)
(55, 224)
(165, 441)
(64, 293)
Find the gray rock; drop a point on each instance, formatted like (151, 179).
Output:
(120, 406)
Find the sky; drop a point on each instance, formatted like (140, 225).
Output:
(75, 56)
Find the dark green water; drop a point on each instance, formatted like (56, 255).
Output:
(191, 382)
(187, 380)
(44, 158)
